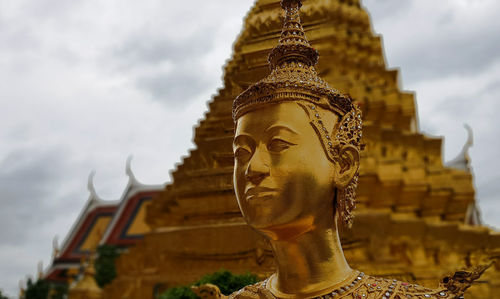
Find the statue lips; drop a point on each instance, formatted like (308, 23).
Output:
(254, 193)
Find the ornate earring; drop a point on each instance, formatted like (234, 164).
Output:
(346, 202)
(348, 131)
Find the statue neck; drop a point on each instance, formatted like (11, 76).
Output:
(311, 262)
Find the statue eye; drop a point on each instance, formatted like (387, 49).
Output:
(242, 154)
(278, 145)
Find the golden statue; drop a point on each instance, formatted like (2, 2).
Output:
(297, 149)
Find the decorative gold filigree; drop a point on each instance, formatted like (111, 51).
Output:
(361, 287)
(460, 281)
(293, 76)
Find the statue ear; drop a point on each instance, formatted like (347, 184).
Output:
(347, 165)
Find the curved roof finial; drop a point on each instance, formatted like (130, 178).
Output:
(55, 247)
(91, 187)
(40, 269)
(470, 137)
(128, 171)
(462, 160)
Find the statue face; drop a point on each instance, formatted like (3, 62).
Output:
(283, 180)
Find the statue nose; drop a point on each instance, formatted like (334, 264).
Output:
(255, 177)
(257, 170)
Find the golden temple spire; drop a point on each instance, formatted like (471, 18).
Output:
(86, 286)
(22, 289)
(40, 270)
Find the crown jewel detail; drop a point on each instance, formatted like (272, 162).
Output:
(293, 44)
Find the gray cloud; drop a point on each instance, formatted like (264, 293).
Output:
(454, 39)
(182, 80)
(27, 181)
(463, 105)
(140, 48)
(30, 182)
(454, 55)
(383, 9)
(172, 65)
(174, 88)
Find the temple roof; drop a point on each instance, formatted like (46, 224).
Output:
(117, 222)
(462, 160)
(128, 223)
(94, 208)
(85, 233)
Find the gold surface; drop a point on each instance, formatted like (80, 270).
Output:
(95, 235)
(139, 225)
(285, 188)
(411, 209)
(354, 286)
(86, 286)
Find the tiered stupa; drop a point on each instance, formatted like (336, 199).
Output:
(413, 219)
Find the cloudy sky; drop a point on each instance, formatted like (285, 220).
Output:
(84, 84)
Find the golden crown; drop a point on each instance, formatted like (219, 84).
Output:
(293, 76)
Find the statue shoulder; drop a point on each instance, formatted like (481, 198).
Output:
(376, 287)
(369, 287)
(254, 291)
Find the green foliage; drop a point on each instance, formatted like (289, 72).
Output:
(37, 290)
(42, 289)
(105, 264)
(225, 280)
(228, 282)
(178, 293)
(2, 296)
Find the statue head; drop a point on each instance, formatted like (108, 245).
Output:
(297, 142)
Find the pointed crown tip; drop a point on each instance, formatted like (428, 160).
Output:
(291, 3)
(293, 44)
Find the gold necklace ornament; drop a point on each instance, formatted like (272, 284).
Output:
(337, 290)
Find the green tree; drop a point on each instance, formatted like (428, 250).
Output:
(42, 289)
(179, 293)
(225, 280)
(105, 270)
(37, 290)
(2, 296)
